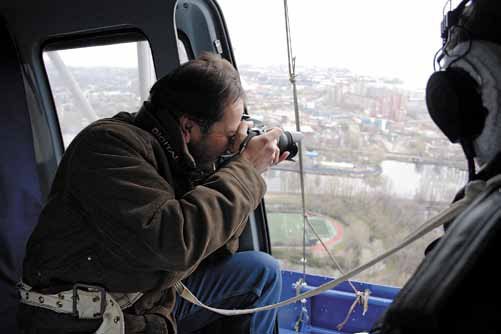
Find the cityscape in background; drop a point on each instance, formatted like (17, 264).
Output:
(375, 165)
(351, 117)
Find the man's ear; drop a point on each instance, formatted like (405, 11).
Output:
(186, 125)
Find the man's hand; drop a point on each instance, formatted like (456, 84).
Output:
(262, 151)
(240, 135)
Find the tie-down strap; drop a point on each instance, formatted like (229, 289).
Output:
(472, 191)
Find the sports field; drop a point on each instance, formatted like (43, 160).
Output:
(286, 229)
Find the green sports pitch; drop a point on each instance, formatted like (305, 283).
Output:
(286, 229)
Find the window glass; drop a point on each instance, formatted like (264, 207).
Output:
(96, 82)
(375, 165)
(181, 49)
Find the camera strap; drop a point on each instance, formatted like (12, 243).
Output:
(243, 145)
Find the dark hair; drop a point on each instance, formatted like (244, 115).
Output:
(481, 20)
(200, 89)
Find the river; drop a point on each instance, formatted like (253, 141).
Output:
(401, 179)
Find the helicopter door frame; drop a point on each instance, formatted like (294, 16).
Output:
(200, 26)
(33, 26)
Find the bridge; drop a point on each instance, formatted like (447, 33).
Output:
(459, 164)
(402, 157)
(351, 172)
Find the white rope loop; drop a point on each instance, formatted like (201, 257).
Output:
(473, 190)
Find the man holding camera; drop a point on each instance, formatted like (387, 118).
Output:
(138, 205)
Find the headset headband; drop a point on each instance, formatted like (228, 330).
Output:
(450, 20)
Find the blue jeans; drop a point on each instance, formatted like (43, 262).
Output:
(245, 280)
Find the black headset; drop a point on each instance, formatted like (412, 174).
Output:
(453, 97)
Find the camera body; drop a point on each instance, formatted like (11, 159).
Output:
(287, 142)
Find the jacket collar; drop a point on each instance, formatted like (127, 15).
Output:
(165, 129)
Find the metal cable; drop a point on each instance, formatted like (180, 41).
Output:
(292, 78)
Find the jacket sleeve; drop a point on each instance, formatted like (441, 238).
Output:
(134, 210)
(230, 247)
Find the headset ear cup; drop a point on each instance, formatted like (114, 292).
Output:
(442, 103)
(455, 105)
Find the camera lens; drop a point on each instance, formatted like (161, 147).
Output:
(287, 142)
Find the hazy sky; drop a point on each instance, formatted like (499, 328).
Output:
(393, 38)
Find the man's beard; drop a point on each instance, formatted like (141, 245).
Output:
(199, 152)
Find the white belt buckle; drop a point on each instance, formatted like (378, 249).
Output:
(92, 288)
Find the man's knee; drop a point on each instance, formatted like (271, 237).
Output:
(256, 260)
(271, 265)
(265, 266)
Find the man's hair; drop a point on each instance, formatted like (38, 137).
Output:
(200, 89)
(481, 20)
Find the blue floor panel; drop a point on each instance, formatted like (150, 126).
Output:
(330, 308)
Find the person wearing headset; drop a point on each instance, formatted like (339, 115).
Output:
(463, 98)
(138, 205)
(454, 288)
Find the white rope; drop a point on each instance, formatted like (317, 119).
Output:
(473, 189)
(361, 298)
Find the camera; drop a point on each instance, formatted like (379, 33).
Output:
(287, 142)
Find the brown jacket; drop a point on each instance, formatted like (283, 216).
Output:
(124, 214)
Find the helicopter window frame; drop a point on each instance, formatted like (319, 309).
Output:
(184, 47)
(88, 40)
